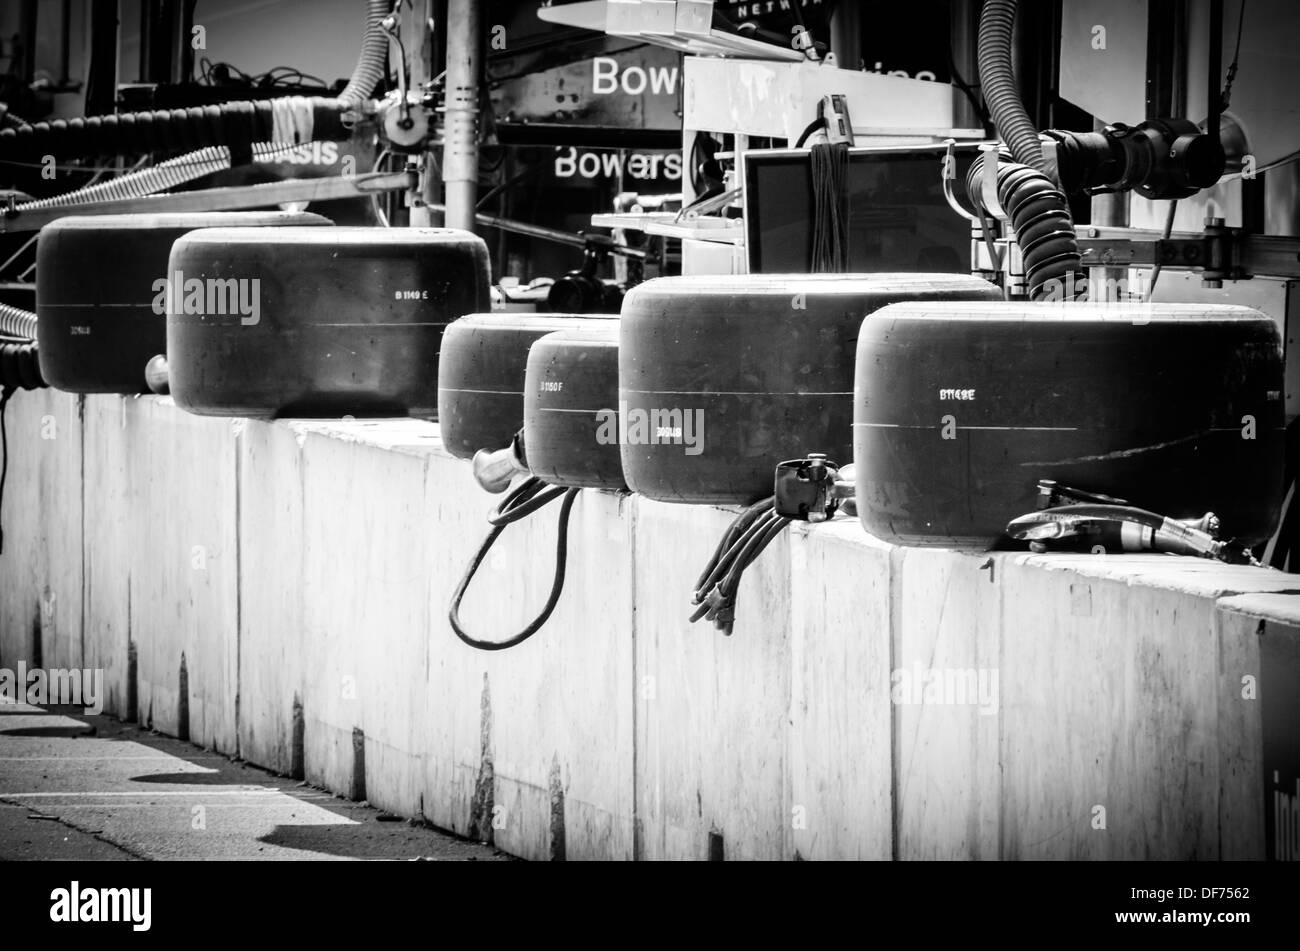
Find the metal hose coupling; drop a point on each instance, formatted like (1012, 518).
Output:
(494, 470)
(1115, 525)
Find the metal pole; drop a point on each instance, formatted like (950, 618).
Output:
(846, 35)
(460, 151)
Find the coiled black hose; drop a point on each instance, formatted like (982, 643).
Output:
(998, 82)
(1040, 214)
(20, 367)
(6, 393)
(528, 497)
(235, 124)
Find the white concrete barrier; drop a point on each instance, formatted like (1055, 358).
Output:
(299, 574)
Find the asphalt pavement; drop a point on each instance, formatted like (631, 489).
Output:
(94, 788)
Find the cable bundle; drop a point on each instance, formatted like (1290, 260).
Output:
(830, 251)
(745, 539)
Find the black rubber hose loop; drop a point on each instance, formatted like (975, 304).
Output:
(530, 496)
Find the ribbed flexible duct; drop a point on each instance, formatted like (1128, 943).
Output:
(202, 128)
(998, 81)
(165, 175)
(1040, 215)
(17, 323)
(19, 364)
(371, 65)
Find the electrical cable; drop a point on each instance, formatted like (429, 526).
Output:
(380, 214)
(5, 395)
(1169, 229)
(814, 126)
(506, 186)
(725, 553)
(531, 495)
(976, 103)
(1226, 98)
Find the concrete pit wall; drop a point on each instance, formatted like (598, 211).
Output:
(279, 591)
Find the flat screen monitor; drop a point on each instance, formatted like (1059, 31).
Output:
(899, 219)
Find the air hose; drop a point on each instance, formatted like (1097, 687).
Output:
(1128, 528)
(1108, 523)
(998, 81)
(290, 119)
(528, 497)
(1040, 216)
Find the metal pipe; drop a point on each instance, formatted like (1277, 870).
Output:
(460, 151)
(542, 233)
(1214, 71)
(846, 35)
(101, 81)
(65, 44)
(27, 24)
